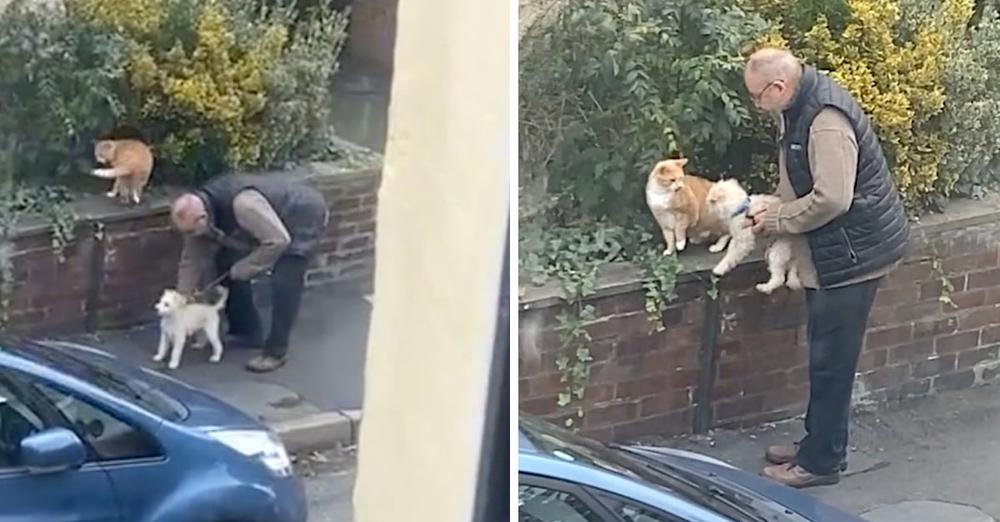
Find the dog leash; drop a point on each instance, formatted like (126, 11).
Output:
(210, 285)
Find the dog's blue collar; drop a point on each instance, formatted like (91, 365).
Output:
(743, 208)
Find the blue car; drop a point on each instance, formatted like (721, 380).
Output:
(88, 438)
(566, 478)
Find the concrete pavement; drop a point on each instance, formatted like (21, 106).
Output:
(927, 460)
(314, 402)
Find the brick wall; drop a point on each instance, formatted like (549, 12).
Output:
(648, 384)
(122, 259)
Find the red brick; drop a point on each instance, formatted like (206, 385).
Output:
(785, 398)
(984, 279)
(959, 380)
(798, 376)
(674, 357)
(972, 357)
(979, 318)
(641, 387)
(889, 336)
(956, 342)
(663, 403)
(763, 383)
(604, 435)
(660, 425)
(992, 296)
(872, 359)
(915, 388)
(908, 274)
(991, 334)
(906, 313)
(935, 327)
(915, 351)
(739, 408)
(539, 406)
(936, 366)
(545, 385)
(683, 379)
(976, 261)
(624, 303)
(599, 393)
(897, 296)
(968, 299)
(886, 377)
(612, 414)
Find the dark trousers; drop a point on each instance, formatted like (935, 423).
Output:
(287, 281)
(837, 321)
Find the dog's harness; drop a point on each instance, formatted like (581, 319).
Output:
(743, 208)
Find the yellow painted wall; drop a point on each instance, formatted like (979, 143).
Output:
(443, 212)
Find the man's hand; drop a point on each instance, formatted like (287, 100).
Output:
(241, 272)
(755, 219)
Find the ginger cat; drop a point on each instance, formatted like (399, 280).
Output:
(129, 162)
(677, 201)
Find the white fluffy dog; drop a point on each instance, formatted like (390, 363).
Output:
(729, 201)
(180, 318)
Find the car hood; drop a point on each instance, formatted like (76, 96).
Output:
(748, 483)
(204, 411)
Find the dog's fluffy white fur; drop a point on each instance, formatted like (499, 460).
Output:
(180, 318)
(726, 198)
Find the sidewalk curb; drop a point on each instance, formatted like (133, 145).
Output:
(320, 431)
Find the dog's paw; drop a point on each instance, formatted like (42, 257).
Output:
(158, 358)
(715, 249)
(681, 245)
(173, 365)
(720, 270)
(765, 288)
(215, 358)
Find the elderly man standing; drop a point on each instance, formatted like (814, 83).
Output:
(851, 229)
(239, 227)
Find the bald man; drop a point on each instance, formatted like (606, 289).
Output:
(244, 226)
(849, 229)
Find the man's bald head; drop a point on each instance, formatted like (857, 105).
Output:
(772, 77)
(188, 214)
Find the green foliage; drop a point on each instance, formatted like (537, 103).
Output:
(50, 202)
(213, 84)
(609, 88)
(58, 88)
(571, 256)
(971, 117)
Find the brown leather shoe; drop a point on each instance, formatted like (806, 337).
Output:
(797, 477)
(781, 454)
(785, 453)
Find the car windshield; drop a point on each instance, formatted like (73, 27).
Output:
(90, 370)
(549, 439)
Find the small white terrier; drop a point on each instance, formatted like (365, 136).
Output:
(180, 318)
(729, 201)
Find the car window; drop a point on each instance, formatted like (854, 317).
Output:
(632, 512)
(17, 422)
(540, 504)
(110, 437)
(95, 371)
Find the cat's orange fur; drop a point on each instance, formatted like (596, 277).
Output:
(678, 202)
(129, 162)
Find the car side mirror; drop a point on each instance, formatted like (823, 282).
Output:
(52, 451)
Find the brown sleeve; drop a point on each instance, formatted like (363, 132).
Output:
(255, 215)
(833, 160)
(197, 257)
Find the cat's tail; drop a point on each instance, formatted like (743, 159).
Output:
(111, 173)
(223, 295)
